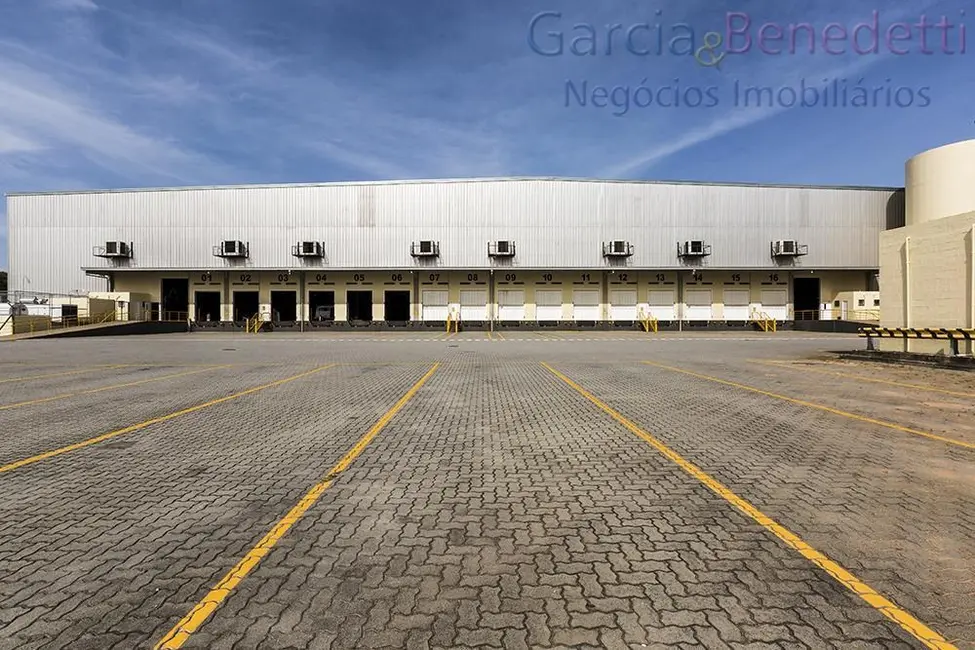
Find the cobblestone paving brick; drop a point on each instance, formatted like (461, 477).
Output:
(897, 510)
(38, 428)
(938, 413)
(99, 547)
(500, 509)
(39, 382)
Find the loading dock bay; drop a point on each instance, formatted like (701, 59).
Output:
(536, 490)
(517, 297)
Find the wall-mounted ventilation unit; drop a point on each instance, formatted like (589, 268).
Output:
(114, 249)
(693, 248)
(232, 249)
(425, 248)
(308, 249)
(788, 248)
(617, 248)
(501, 248)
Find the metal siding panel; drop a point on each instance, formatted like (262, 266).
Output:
(555, 225)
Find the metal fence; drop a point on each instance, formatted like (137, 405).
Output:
(858, 315)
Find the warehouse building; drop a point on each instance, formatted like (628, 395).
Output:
(493, 252)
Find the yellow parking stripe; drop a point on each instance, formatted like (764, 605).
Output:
(905, 620)
(64, 374)
(828, 409)
(790, 365)
(190, 623)
(42, 400)
(142, 425)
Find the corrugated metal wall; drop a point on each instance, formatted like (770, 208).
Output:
(556, 224)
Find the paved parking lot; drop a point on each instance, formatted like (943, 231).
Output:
(522, 490)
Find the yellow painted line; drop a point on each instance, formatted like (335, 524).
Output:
(190, 623)
(549, 335)
(500, 335)
(913, 626)
(791, 366)
(490, 338)
(142, 425)
(828, 409)
(63, 374)
(42, 400)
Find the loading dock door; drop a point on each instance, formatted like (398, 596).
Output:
(623, 305)
(175, 299)
(662, 304)
(321, 306)
(548, 305)
(207, 306)
(396, 306)
(511, 305)
(433, 305)
(585, 304)
(775, 303)
(473, 305)
(698, 304)
(247, 304)
(736, 305)
(284, 307)
(359, 306)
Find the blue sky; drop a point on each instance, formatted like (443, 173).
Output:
(126, 93)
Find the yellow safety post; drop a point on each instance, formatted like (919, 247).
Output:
(453, 319)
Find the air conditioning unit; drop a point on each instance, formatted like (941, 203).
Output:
(693, 248)
(231, 249)
(114, 249)
(425, 248)
(501, 248)
(787, 248)
(617, 248)
(308, 249)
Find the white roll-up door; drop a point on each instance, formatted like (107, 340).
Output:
(511, 304)
(585, 305)
(548, 304)
(736, 305)
(473, 305)
(698, 304)
(433, 305)
(775, 303)
(623, 305)
(661, 304)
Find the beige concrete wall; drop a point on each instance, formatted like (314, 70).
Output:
(129, 306)
(927, 277)
(149, 284)
(856, 305)
(940, 183)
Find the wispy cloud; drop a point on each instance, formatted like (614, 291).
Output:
(48, 113)
(83, 5)
(773, 74)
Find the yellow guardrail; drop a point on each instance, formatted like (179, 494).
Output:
(648, 322)
(764, 321)
(253, 324)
